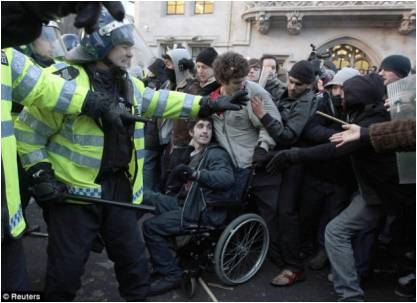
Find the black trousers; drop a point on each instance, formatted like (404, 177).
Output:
(72, 230)
(321, 201)
(266, 192)
(14, 275)
(288, 218)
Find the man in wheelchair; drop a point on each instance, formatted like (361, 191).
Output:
(206, 176)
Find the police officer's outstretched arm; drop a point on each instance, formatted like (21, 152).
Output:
(174, 105)
(21, 22)
(30, 85)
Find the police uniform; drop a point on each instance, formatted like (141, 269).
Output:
(78, 149)
(24, 83)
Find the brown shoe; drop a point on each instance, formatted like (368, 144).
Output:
(288, 277)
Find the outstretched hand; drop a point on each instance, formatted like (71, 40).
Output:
(352, 133)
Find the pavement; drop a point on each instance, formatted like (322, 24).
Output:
(99, 282)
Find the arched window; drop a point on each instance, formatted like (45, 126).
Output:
(345, 55)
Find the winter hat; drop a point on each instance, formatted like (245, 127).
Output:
(363, 90)
(303, 71)
(343, 75)
(207, 56)
(399, 64)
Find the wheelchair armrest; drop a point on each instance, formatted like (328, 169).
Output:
(224, 204)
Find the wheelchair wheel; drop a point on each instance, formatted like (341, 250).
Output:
(188, 285)
(241, 249)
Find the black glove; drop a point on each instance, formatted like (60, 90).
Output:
(22, 21)
(185, 64)
(223, 103)
(101, 105)
(46, 188)
(183, 173)
(282, 160)
(260, 157)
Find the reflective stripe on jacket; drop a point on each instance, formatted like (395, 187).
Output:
(25, 83)
(73, 144)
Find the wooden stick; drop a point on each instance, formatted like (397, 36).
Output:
(207, 289)
(330, 117)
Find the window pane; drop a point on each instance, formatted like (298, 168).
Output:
(203, 7)
(199, 7)
(175, 7)
(209, 7)
(180, 8)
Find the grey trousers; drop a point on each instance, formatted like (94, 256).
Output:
(338, 243)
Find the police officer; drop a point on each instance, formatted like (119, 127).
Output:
(93, 157)
(25, 83)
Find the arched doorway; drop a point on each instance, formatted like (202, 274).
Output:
(350, 52)
(345, 55)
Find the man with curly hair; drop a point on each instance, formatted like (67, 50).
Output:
(242, 134)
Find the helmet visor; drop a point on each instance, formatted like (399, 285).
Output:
(141, 54)
(49, 45)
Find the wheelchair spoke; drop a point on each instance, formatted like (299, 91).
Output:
(255, 237)
(244, 250)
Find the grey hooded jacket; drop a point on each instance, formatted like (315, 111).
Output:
(239, 132)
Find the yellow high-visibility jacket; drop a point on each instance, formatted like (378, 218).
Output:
(25, 83)
(73, 144)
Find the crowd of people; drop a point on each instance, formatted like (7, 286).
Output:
(326, 185)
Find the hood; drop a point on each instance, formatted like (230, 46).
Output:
(176, 55)
(363, 90)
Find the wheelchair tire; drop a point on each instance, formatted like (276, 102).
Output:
(241, 249)
(188, 285)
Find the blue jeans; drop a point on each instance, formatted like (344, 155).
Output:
(158, 229)
(357, 217)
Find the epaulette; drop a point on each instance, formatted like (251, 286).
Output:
(67, 73)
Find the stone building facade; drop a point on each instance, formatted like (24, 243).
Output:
(357, 33)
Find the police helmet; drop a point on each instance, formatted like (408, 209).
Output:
(98, 44)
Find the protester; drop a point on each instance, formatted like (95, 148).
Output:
(203, 85)
(157, 78)
(296, 106)
(242, 133)
(375, 173)
(254, 69)
(207, 172)
(273, 85)
(327, 186)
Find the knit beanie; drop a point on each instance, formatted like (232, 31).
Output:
(207, 56)
(303, 71)
(398, 64)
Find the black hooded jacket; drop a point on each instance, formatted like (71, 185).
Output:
(376, 173)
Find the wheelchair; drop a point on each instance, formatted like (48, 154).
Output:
(235, 251)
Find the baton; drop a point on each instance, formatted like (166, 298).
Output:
(331, 117)
(142, 119)
(106, 202)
